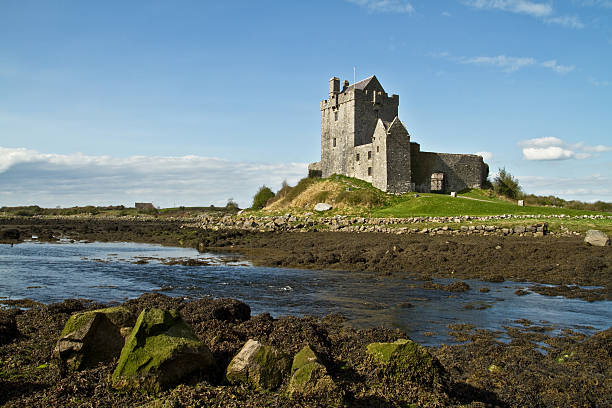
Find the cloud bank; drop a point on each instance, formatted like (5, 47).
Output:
(385, 6)
(553, 148)
(543, 11)
(31, 177)
(506, 63)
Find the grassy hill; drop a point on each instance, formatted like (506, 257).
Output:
(357, 197)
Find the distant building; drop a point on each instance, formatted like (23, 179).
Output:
(144, 206)
(362, 137)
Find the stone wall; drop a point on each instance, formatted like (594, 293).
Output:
(399, 163)
(461, 171)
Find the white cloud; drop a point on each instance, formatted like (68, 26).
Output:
(31, 177)
(535, 9)
(486, 156)
(598, 83)
(566, 21)
(540, 10)
(598, 148)
(594, 3)
(589, 188)
(541, 142)
(385, 6)
(547, 153)
(560, 69)
(553, 148)
(446, 14)
(506, 63)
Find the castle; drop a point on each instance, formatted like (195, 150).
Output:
(362, 137)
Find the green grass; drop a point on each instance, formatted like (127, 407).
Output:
(477, 203)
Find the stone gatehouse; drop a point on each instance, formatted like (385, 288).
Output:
(362, 137)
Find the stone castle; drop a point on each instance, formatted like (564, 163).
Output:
(362, 137)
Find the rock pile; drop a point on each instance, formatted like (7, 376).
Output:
(162, 350)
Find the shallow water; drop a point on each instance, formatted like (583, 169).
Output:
(106, 272)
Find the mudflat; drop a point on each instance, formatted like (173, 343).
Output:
(556, 260)
(535, 368)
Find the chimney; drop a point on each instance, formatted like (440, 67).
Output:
(345, 85)
(334, 86)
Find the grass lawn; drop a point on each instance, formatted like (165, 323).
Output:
(473, 203)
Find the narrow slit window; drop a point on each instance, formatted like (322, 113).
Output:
(369, 171)
(357, 157)
(334, 142)
(377, 149)
(370, 155)
(336, 115)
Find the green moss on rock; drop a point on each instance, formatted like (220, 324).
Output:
(160, 351)
(305, 356)
(91, 337)
(405, 359)
(264, 367)
(120, 316)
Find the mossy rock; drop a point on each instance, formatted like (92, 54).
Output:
(407, 360)
(310, 380)
(305, 356)
(264, 367)
(92, 337)
(161, 351)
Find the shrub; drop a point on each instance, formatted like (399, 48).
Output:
(261, 197)
(506, 185)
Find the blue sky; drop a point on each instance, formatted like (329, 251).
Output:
(194, 102)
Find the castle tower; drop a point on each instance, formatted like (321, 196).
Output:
(348, 120)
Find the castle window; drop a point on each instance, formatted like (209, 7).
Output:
(336, 115)
(377, 149)
(357, 157)
(370, 155)
(334, 142)
(369, 171)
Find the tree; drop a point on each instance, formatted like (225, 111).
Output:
(232, 205)
(261, 197)
(506, 185)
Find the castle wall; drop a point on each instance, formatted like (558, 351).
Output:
(379, 161)
(337, 122)
(368, 109)
(399, 163)
(363, 168)
(461, 171)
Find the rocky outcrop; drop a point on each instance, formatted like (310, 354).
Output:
(264, 367)
(161, 351)
(596, 238)
(92, 337)
(408, 360)
(309, 379)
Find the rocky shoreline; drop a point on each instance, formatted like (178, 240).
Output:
(533, 369)
(560, 260)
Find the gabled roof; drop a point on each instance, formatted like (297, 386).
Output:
(396, 124)
(361, 85)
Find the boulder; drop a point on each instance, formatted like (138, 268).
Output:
(261, 366)
(405, 359)
(322, 207)
(8, 326)
(309, 379)
(596, 238)
(160, 351)
(93, 337)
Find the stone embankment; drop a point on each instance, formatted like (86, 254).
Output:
(534, 226)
